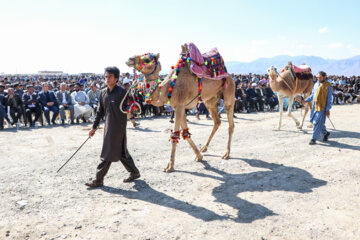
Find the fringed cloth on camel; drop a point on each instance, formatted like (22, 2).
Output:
(303, 73)
(209, 65)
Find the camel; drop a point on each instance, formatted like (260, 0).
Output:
(285, 85)
(184, 94)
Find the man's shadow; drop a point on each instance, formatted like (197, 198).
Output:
(145, 193)
(275, 178)
(341, 134)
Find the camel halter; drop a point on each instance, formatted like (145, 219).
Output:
(150, 64)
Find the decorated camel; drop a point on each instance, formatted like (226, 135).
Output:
(292, 81)
(183, 89)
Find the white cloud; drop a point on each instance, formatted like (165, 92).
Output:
(335, 45)
(259, 42)
(323, 30)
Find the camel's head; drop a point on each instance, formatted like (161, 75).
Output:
(272, 71)
(147, 63)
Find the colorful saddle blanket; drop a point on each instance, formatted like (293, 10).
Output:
(302, 72)
(208, 65)
(301, 69)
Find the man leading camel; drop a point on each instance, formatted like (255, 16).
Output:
(114, 146)
(321, 98)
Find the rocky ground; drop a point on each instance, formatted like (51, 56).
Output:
(275, 186)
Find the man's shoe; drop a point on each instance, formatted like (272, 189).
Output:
(63, 122)
(53, 123)
(94, 184)
(326, 137)
(131, 178)
(72, 122)
(312, 142)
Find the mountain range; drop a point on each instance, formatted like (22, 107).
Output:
(346, 67)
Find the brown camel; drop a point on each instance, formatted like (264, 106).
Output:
(285, 85)
(184, 95)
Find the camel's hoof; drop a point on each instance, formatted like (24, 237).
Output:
(297, 124)
(169, 170)
(310, 126)
(199, 158)
(299, 127)
(276, 129)
(203, 149)
(226, 156)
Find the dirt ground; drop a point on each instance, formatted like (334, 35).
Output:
(275, 186)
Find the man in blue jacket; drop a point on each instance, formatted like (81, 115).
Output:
(49, 103)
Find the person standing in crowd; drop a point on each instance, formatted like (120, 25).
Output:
(93, 95)
(49, 103)
(31, 102)
(65, 103)
(321, 98)
(115, 143)
(81, 107)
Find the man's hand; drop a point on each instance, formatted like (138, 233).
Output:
(50, 104)
(327, 113)
(92, 132)
(82, 103)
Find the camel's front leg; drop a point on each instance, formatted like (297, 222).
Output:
(174, 138)
(186, 135)
(291, 101)
(307, 106)
(281, 109)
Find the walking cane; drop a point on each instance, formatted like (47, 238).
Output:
(73, 155)
(331, 123)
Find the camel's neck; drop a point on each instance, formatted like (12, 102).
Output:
(159, 96)
(274, 84)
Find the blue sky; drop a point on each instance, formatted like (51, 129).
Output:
(85, 36)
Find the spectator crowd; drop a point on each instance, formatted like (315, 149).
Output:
(68, 99)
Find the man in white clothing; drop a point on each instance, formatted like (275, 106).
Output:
(81, 107)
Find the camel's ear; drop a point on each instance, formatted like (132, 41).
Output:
(157, 56)
(183, 48)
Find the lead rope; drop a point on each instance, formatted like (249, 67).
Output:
(134, 103)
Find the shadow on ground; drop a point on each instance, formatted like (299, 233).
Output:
(275, 178)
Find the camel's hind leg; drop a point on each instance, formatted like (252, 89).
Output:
(179, 114)
(212, 106)
(184, 126)
(307, 106)
(229, 102)
(291, 101)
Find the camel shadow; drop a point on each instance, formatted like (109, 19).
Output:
(145, 193)
(199, 124)
(139, 129)
(276, 178)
